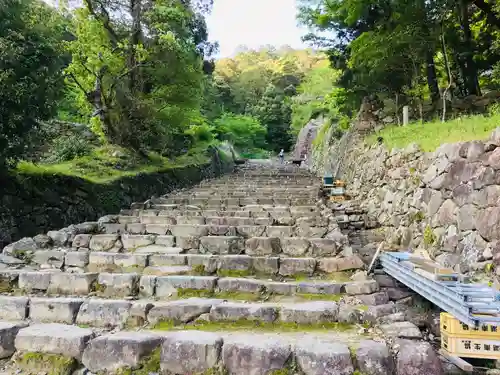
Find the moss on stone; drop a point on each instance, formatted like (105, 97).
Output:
(429, 236)
(52, 364)
(199, 269)
(320, 297)
(243, 296)
(234, 273)
(245, 325)
(131, 269)
(418, 217)
(98, 287)
(188, 293)
(148, 365)
(362, 307)
(6, 285)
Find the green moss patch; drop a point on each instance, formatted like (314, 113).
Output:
(245, 324)
(35, 363)
(188, 293)
(148, 365)
(319, 297)
(234, 273)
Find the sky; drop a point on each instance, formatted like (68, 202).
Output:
(254, 23)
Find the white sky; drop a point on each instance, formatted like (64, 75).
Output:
(254, 23)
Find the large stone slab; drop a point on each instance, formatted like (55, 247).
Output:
(119, 350)
(262, 246)
(54, 310)
(104, 313)
(233, 284)
(180, 311)
(13, 308)
(221, 244)
(295, 246)
(233, 311)
(8, 333)
(254, 355)
(72, 283)
(166, 286)
(416, 358)
(310, 312)
(296, 266)
(315, 357)
(53, 338)
(34, 281)
(190, 352)
(118, 284)
(374, 358)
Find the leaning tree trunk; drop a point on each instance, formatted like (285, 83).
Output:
(470, 73)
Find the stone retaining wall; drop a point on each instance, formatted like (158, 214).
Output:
(447, 201)
(34, 204)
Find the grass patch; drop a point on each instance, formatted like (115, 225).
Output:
(319, 297)
(45, 363)
(245, 324)
(342, 277)
(202, 293)
(108, 163)
(430, 135)
(234, 273)
(148, 365)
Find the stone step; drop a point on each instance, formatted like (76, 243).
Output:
(242, 265)
(176, 285)
(61, 348)
(119, 313)
(172, 217)
(206, 241)
(142, 208)
(164, 225)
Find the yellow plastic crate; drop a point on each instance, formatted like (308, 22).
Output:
(470, 347)
(452, 326)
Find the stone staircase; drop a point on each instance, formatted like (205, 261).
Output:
(247, 274)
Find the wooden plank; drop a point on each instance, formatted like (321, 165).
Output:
(457, 361)
(431, 266)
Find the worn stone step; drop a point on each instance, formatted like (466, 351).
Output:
(207, 239)
(178, 283)
(61, 347)
(119, 313)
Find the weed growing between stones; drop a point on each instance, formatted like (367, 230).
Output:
(188, 293)
(245, 324)
(148, 365)
(35, 363)
(320, 297)
(98, 287)
(418, 217)
(429, 236)
(199, 269)
(234, 273)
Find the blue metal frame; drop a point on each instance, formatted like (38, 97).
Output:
(461, 300)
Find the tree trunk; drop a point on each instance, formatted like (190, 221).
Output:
(432, 77)
(470, 73)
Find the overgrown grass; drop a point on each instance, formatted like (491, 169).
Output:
(108, 163)
(254, 326)
(429, 136)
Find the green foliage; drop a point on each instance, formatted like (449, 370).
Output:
(142, 92)
(67, 148)
(429, 136)
(244, 132)
(260, 83)
(429, 236)
(408, 50)
(319, 95)
(30, 71)
(108, 163)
